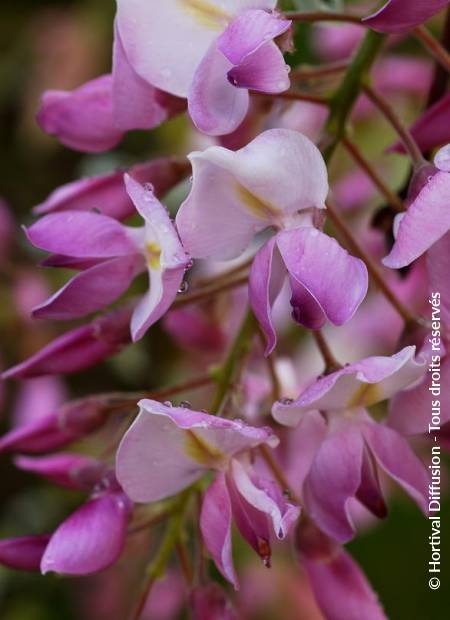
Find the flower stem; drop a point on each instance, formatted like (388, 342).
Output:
(293, 95)
(209, 291)
(320, 71)
(389, 113)
(373, 270)
(433, 46)
(322, 16)
(226, 373)
(331, 363)
(365, 165)
(342, 101)
(279, 476)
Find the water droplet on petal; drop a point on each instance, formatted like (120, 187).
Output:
(286, 401)
(185, 404)
(167, 403)
(184, 287)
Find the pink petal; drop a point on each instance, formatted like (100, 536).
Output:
(79, 348)
(215, 105)
(166, 46)
(335, 282)
(395, 456)
(264, 71)
(334, 479)
(236, 194)
(65, 233)
(363, 383)
(265, 282)
(425, 222)
(67, 470)
(401, 15)
(215, 525)
(136, 103)
(432, 128)
(442, 158)
(81, 119)
(23, 553)
(267, 500)
(167, 448)
(107, 193)
(91, 290)
(91, 539)
(248, 32)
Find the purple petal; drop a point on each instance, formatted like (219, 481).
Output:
(340, 587)
(432, 128)
(136, 103)
(248, 32)
(398, 16)
(215, 525)
(264, 71)
(79, 348)
(334, 479)
(91, 539)
(395, 456)
(369, 492)
(425, 222)
(91, 290)
(66, 233)
(81, 119)
(442, 158)
(67, 470)
(215, 105)
(265, 282)
(23, 553)
(265, 496)
(336, 281)
(167, 448)
(361, 384)
(107, 192)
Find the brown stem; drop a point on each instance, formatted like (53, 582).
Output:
(276, 390)
(270, 460)
(433, 46)
(331, 363)
(365, 165)
(310, 73)
(296, 96)
(390, 114)
(221, 277)
(208, 292)
(373, 270)
(440, 77)
(322, 16)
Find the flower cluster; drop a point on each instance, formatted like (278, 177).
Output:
(281, 443)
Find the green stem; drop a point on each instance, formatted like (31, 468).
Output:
(226, 373)
(344, 98)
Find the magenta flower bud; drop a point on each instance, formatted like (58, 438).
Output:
(56, 430)
(397, 16)
(23, 553)
(340, 587)
(79, 348)
(107, 192)
(73, 471)
(209, 602)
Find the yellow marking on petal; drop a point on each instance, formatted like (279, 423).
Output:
(367, 394)
(153, 254)
(261, 209)
(207, 14)
(201, 451)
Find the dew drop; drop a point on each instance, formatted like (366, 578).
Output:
(286, 401)
(185, 404)
(167, 403)
(184, 287)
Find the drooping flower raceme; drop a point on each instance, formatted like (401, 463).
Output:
(168, 448)
(278, 180)
(108, 256)
(346, 446)
(210, 51)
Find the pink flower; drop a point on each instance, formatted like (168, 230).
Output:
(398, 16)
(108, 256)
(347, 447)
(168, 448)
(279, 180)
(210, 52)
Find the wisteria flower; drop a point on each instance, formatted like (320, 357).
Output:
(211, 52)
(278, 180)
(169, 448)
(108, 256)
(348, 447)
